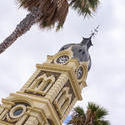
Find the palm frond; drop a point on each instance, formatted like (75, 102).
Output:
(102, 122)
(92, 106)
(78, 116)
(84, 7)
(30, 4)
(94, 115)
(101, 112)
(79, 111)
(76, 120)
(52, 12)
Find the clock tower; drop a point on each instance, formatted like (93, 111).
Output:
(51, 92)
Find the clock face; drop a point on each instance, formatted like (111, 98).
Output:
(80, 73)
(63, 59)
(17, 111)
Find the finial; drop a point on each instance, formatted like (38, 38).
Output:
(87, 41)
(94, 32)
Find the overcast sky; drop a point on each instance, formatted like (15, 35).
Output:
(106, 81)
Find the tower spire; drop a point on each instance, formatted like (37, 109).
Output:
(95, 31)
(51, 92)
(88, 41)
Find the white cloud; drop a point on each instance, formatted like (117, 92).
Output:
(105, 79)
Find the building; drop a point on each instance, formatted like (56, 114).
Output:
(51, 92)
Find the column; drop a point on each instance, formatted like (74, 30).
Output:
(57, 87)
(32, 121)
(22, 120)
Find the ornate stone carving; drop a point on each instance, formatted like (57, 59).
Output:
(17, 111)
(41, 85)
(51, 92)
(62, 101)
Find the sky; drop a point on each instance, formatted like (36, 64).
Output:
(106, 81)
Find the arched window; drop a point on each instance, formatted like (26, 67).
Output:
(50, 122)
(41, 85)
(63, 101)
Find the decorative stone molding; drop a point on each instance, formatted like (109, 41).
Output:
(49, 94)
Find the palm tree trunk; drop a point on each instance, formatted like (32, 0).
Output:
(21, 28)
(88, 118)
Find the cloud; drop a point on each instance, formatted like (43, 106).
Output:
(106, 77)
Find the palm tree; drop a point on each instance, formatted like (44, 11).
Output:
(47, 13)
(94, 116)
